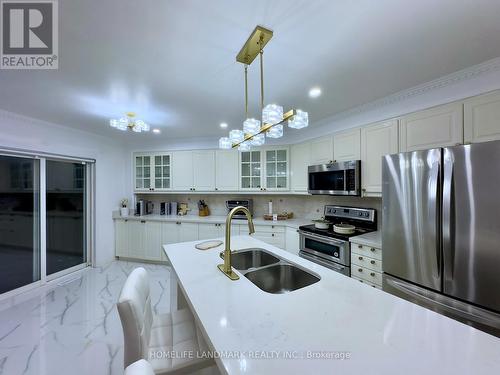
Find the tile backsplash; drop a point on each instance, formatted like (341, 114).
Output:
(302, 206)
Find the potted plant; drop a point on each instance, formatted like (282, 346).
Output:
(124, 207)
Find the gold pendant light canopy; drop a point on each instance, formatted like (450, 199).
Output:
(272, 115)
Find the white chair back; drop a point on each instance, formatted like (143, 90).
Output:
(141, 367)
(134, 308)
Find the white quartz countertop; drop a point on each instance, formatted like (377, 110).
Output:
(255, 331)
(212, 219)
(373, 239)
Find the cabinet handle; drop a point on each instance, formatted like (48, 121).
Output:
(360, 246)
(272, 235)
(126, 220)
(178, 223)
(372, 249)
(360, 269)
(143, 221)
(372, 274)
(360, 258)
(216, 189)
(372, 262)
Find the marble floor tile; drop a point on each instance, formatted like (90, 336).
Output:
(73, 328)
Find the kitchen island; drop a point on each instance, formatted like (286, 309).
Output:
(336, 325)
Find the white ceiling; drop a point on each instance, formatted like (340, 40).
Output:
(173, 62)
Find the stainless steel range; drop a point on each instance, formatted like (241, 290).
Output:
(331, 249)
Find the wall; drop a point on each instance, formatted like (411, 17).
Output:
(112, 162)
(465, 83)
(302, 206)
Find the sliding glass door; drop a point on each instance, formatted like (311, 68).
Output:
(65, 215)
(46, 218)
(19, 222)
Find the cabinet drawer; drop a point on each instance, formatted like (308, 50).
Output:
(367, 282)
(269, 228)
(367, 274)
(275, 239)
(368, 251)
(366, 262)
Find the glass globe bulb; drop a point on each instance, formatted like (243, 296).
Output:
(245, 146)
(225, 143)
(275, 132)
(236, 135)
(258, 140)
(299, 121)
(251, 126)
(272, 114)
(113, 123)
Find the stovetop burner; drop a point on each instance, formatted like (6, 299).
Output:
(330, 233)
(364, 220)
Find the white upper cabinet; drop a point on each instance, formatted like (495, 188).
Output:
(182, 170)
(321, 150)
(226, 170)
(436, 127)
(347, 145)
(376, 141)
(276, 169)
(142, 172)
(161, 171)
(482, 118)
(299, 155)
(251, 170)
(266, 169)
(204, 170)
(152, 172)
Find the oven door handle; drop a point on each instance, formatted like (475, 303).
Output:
(324, 239)
(331, 265)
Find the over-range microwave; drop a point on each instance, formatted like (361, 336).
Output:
(338, 178)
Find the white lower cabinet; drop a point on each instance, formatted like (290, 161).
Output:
(144, 239)
(366, 264)
(121, 238)
(153, 241)
(188, 232)
(136, 232)
(271, 234)
(292, 241)
(208, 231)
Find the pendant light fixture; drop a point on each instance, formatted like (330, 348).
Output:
(254, 131)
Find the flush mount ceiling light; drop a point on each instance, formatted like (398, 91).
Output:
(314, 92)
(129, 122)
(223, 125)
(272, 116)
(156, 131)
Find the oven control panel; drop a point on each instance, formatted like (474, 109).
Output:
(365, 214)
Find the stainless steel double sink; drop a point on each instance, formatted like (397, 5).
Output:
(269, 272)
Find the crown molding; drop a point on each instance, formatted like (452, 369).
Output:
(439, 83)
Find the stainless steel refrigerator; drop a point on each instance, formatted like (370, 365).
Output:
(441, 231)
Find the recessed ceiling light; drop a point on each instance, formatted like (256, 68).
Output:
(223, 125)
(314, 92)
(156, 131)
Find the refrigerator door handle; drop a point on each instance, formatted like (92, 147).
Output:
(449, 213)
(438, 222)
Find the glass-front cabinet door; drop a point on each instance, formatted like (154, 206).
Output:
(162, 171)
(277, 169)
(251, 170)
(142, 172)
(152, 172)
